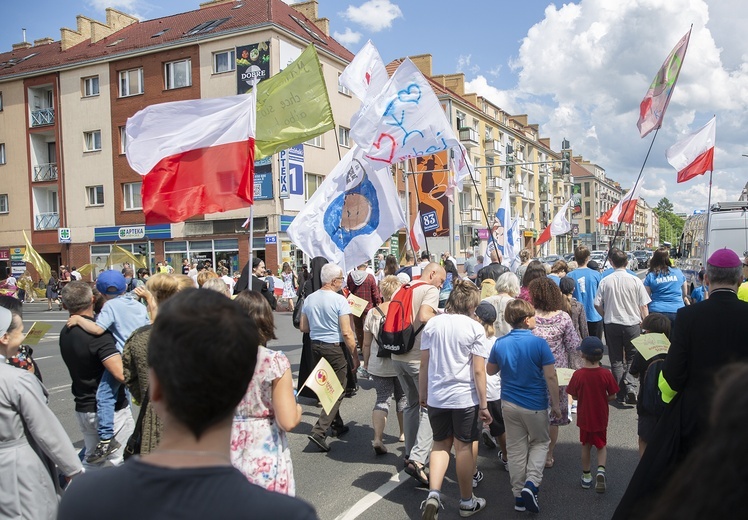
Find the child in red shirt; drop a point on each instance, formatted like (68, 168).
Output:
(593, 386)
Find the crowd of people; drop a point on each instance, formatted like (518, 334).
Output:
(479, 360)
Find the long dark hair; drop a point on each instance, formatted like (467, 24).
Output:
(660, 262)
(257, 307)
(535, 269)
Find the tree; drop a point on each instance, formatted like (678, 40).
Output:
(671, 225)
(664, 206)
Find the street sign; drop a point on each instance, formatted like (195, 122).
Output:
(271, 239)
(63, 235)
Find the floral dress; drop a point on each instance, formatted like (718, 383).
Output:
(288, 288)
(563, 339)
(259, 447)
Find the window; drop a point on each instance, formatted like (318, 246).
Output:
(131, 82)
(207, 26)
(95, 195)
(2, 153)
(587, 207)
(489, 133)
(224, 61)
(344, 136)
(312, 183)
(586, 189)
(1, 101)
(587, 226)
(4, 203)
(178, 74)
(461, 120)
(92, 141)
(317, 141)
(122, 140)
(131, 193)
(342, 89)
(91, 86)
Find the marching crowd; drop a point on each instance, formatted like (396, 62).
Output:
(484, 356)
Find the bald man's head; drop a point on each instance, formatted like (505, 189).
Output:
(434, 274)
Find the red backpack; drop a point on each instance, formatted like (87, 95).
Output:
(396, 332)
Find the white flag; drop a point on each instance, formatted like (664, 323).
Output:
(558, 226)
(353, 212)
(366, 75)
(417, 238)
(406, 120)
(694, 154)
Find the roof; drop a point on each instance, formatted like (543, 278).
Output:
(227, 18)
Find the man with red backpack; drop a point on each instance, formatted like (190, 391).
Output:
(424, 302)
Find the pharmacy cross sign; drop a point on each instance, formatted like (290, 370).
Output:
(63, 235)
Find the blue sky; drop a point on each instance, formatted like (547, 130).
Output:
(578, 69)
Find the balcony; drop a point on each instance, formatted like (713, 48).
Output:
(43, 117)
(493, 183)
(530, 195)
(493, 147)
(44, 221)
(45, 172)
(469, 137)
(476, 215)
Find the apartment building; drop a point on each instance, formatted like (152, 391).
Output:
(63, 109)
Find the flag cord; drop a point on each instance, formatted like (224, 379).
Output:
(483, 209)
(624, 210)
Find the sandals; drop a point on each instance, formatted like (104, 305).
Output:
(549, 462)
(416, 470)
(380, 449)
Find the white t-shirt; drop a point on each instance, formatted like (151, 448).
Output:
(493, 383)
(621, 296)
(451, 340)
(230, 282)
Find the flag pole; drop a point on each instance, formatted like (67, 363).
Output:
(485, 213)
(628, 202)
(407, 210)
(418, 199)
(251, 240)
(708, 216)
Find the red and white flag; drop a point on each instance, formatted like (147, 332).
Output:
(558, 226)
(417, 238)
(365, 76)
(694, 155)
(653, 106)
(625, 210)
(195, 156)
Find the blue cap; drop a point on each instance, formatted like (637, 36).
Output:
(591, 345)
(111, 283)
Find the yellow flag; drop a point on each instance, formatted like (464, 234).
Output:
(325, 383)
(86, 269)
(292, 106)
(120, 256)
(32, 257)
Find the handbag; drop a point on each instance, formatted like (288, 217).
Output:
(136, 439)
(297, 312)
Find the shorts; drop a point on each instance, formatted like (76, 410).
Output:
(646, 426)
(496, 427)
(460, 423)
(597, 439)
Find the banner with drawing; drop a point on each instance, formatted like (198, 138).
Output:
(430, 182)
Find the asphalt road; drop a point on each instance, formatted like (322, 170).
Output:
(352, 482)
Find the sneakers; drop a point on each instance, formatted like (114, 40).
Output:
(600, 482)
(504, 462)
(519, 504)
(573, 406)
(339, 431)
(103, 450)
(530, 497)
(586, 480)
(472, 507)
(430, 508)
(477, 478)
(488, 439)
(320, 441)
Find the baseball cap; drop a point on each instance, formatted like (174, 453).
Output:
(111, 282)
(486, 312)
(725, 258)
(6, 318)
(591, 345)
(592, 264)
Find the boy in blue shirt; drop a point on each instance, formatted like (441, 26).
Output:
(121, 315)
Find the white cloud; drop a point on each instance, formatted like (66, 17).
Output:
(348, 37)
(126, 6)
(585, 67)
(373, 15)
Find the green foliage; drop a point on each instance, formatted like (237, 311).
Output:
(671, 225)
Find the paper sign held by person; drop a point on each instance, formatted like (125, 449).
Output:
(650, 345)
(357, 305)
(36, 333)
(564, 375)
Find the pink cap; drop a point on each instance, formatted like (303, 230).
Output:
(725, 258)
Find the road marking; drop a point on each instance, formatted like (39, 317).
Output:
(56, 389)
(43, 357)
(47, 321)
(375, 496)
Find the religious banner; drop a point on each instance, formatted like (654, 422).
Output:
(431, 180)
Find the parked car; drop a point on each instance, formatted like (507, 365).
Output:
(568, 257)
(551, 259)
(598, 256)
(633, 262)
(642, 259)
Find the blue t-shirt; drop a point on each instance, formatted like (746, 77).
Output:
(698, 294)
(611, 270)
(122, 316)
(666, 288)
(521, 357)
(555, 278)
(586, 289)
(323, 309)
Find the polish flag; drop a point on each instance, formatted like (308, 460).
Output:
(416, 234)
(625, 210)
(558, 226)
(694, 155)
(365, 76)
(195, 156)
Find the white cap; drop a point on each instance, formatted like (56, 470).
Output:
(6, 317)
